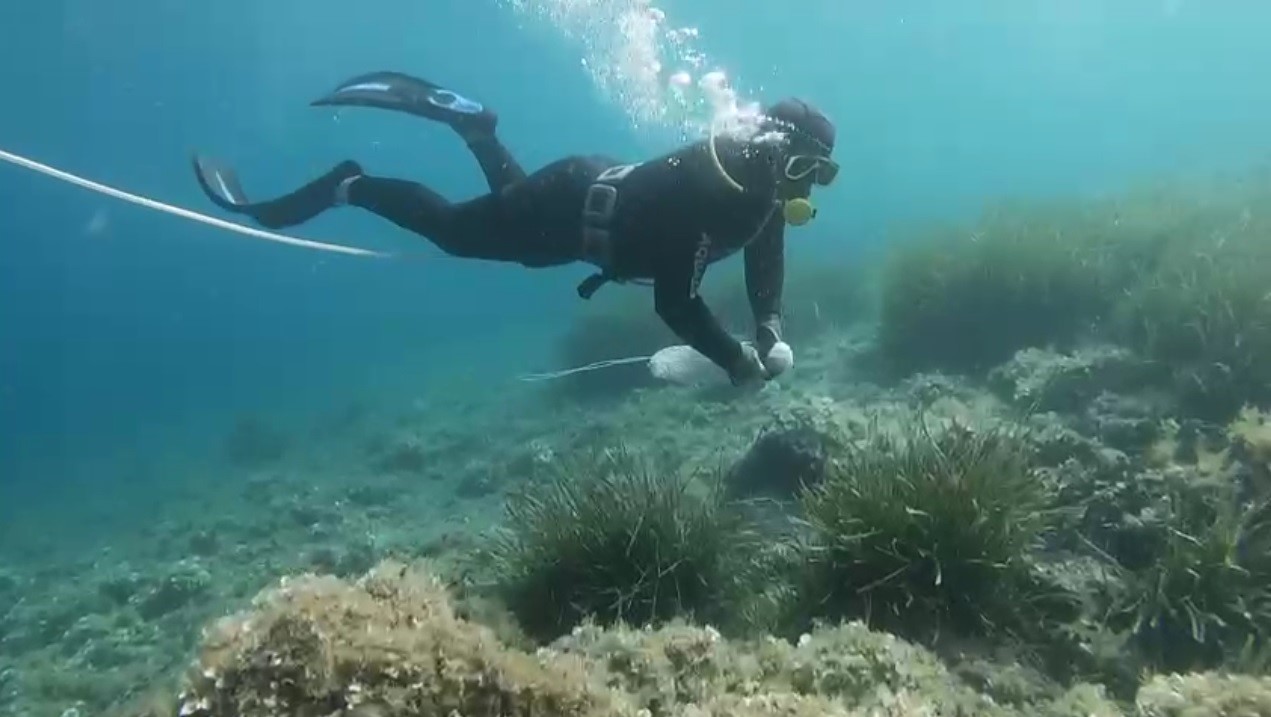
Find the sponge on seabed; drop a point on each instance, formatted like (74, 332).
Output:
(685, 366)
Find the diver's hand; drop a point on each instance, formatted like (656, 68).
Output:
(777, 355)
(767, 335)
(749, 369)
(779, 359)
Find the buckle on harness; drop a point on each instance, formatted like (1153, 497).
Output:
(598, 210)
(599, 205)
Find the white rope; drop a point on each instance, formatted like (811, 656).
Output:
(584, 369)
(178, 211)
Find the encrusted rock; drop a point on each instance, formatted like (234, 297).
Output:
(1045, 380)
(1205, 695)
(1129, 423)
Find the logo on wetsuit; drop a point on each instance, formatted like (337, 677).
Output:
(701, 257)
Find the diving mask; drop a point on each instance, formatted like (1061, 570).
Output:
(823, 170)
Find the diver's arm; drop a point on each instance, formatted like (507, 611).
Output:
(678, 304)
(765, 281)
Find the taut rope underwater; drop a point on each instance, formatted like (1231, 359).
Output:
(553, 375)
(178, 211)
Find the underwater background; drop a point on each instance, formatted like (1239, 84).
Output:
(188, 415)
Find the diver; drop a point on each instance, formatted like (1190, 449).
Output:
(661, 221)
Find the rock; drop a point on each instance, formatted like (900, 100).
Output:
(1130, 423)
(791, 452)
(187, 582)
(1045, 380)
(1209, 693)
(1056, 441)
(1010, 684)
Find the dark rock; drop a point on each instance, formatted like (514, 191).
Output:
(791, 452)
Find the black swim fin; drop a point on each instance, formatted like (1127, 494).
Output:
(412, 95)
(220, 184)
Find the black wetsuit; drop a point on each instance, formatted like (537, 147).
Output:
(674, 215)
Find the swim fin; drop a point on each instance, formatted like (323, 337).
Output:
(412, 95)
(220, 184)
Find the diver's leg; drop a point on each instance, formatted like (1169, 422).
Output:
(497, 164)
(471, 230)
(532, 222)
(472, 120)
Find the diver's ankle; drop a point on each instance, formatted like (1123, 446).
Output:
(478, 129)
(473, 136)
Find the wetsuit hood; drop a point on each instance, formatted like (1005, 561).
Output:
(810, 125)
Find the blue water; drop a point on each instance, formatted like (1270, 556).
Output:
(146, 336)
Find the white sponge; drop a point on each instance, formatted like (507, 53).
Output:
(685, 366)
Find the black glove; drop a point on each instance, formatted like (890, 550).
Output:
(748, 368)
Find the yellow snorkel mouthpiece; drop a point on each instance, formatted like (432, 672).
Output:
(798, 211)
